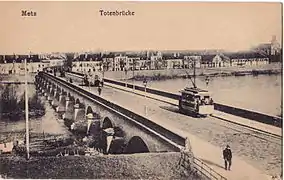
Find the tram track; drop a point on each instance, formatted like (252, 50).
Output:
(251, 131)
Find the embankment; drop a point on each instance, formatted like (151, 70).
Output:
(145, 166)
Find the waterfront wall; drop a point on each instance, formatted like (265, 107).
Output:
(253, 115)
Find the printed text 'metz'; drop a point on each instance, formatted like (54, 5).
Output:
(28, 13)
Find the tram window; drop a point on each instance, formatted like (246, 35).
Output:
(188, 97)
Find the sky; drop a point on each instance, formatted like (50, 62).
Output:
(78, 26)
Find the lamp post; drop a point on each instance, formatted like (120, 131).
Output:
(134, 65)
(125, 77)
(145, 90)
(27, 111)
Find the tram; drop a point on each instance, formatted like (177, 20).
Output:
(92, 79)
(196, 101)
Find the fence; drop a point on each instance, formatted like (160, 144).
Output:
(198, 167)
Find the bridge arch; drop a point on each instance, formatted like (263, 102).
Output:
(81, 105)
(107, 123)
(89, 110)
(77, 101)
(64, 92)
(136, 145)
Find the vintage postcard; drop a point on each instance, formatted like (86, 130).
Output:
(141, 90)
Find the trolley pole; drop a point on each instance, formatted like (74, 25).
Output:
(27, 111)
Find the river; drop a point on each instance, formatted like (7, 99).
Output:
(49, 123)
(259, 93)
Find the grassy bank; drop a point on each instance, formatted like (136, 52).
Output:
(146, 166)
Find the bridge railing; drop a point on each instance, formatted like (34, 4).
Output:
(198, 167)
(205, 170)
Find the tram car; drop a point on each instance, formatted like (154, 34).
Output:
(92, 79)
(196, 101)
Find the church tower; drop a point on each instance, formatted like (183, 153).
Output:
(275, 46)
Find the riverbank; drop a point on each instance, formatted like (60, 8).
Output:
(155, 75)
(159, 76)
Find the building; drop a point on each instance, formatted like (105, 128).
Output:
(15, 64)
(272, 48)
(108, 62)
(87, 66)
(220, 60)
(189, 61)
(241, 59)
(154, 59)
(119, 62)
(174, 63)
(132, 62)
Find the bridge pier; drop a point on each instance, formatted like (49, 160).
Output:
(54, 93)
(93, 127)
(49, 98)
(60, 107)
(67, 102)
(61, 96)
(78, 111)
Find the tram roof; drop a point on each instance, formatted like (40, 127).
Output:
(194, 90)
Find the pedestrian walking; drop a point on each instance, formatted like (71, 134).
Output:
(99, 90)
(227, 155)
(207, 80)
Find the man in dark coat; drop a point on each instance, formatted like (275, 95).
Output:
(99, 90)
(227, 155)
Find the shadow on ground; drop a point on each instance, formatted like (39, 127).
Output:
(176, 110)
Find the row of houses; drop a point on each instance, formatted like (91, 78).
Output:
(129, 62)
(15, 64)
(122, 62)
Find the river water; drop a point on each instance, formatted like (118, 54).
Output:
(49, 123)
(259, 93)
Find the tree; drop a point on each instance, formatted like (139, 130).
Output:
(8, 100)
(68, 61)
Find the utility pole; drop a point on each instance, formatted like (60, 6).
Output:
(194, 71)
(134, 65)
(27, 111)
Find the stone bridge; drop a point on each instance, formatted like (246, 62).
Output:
(110, 124)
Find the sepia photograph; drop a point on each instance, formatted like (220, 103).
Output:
(141, 90)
